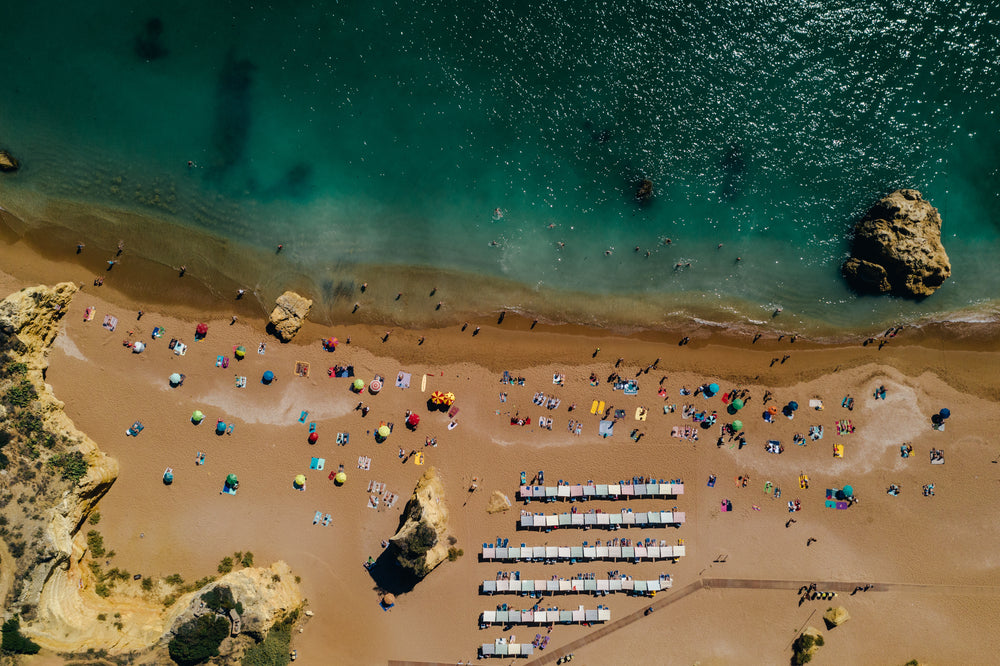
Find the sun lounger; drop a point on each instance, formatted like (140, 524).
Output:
(180, 349)
(373, 501)
(327, 519)
(318, 516)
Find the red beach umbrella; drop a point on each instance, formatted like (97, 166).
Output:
(412, 420)
(313, 437)
(201, 329)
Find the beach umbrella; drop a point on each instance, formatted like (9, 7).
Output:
(197, 416)
(936, 419)
(231, 480)
(713, 388)
(437, 398)
(772, 410)
(848, 491)
(737, 425)
(300, 480)
(175, 379)
(220, 427)
(168, 478)
(201, 330)
(412, 420)
(383, 431)
(331, 343)
(449, 398)
(240, 352)
(313, 437)
(375, 386)
(793, 405)
(359, 385)
(138, 347)
(945, 413)
(389, 599)
(340, 479)
(268, 377)
(737, 404)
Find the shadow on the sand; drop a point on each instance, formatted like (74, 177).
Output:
(389, 576)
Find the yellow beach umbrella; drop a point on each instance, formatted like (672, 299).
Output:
(300, 480)
(437, 398)
(383, 431)
(340, 479)
(449, 398)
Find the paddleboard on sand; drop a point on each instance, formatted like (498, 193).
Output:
(423, 384)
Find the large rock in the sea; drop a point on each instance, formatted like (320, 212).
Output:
(897, 248)
(8, 162)
(290, 310)
(421, 543)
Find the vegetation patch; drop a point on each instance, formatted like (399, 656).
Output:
(804, 647)
(14, 642)
(198, 640)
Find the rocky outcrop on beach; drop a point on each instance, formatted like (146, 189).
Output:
(266, 596)
(834, 617)
(290, 310)
(897, 248)
(498, 503)
(8, 162)
(421, 544)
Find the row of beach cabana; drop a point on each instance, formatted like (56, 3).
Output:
(598, 519)
(578, 616)
(576, 586)
(610, 491)
(580, 553)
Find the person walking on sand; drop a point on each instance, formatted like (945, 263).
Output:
(183, 271)
(475, 331)
(239, 293)
(234, 320)
(79, 248)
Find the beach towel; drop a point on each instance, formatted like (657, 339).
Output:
(89, 313)
(180, 349)
(227, 490)
(842, 505)
(318, 516)
(403, 380)
(452, 425)
(110, 322)
(593, 407)
(312, 427)
(158, 332)
(607, 429)
(241, 382)
(229, 428)
(816, 404)
(218, 361)
(301, 368)
(373, 501)
(225, 361)
(452, 412)
(303, 416)
(711, 481)
(418, 459)
(640, 413)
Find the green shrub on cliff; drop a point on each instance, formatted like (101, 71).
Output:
(198, 640)
(14, 642)
(220, 599)
(803, 648)
(273, 650)
(95, 542)
(71, 466)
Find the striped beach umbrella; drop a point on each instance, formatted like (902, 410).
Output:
(449, 398)
(437, 398)
(375, 386)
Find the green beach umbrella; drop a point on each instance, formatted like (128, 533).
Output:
(231, 480)
(737, 425)
(737, 404)
(383, 431)
(300, 480)
(359, 384)
(241, 351)
(197, 416)
(175, 378)
(340, 479)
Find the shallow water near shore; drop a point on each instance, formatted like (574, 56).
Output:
(374, 141)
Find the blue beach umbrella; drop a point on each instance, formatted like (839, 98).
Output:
(793, 405)
(268, 377)
(945, 413)
(220, 427)
(848, 491)
(713, 388)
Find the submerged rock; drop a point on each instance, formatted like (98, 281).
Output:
(290, 310)
(8, 162)
(420, 543)
(897, 248)
(644, 190)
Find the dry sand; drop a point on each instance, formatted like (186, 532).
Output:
(940, 541)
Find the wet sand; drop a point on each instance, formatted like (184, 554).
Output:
(188, 527)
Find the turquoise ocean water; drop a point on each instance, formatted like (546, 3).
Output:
(374, 133)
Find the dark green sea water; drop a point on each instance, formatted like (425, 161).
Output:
(360, 133)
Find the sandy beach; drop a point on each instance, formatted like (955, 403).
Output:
(932, 558)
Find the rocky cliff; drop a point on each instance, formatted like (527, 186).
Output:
(897, 248)
(8, 162)
(421, 543)
(290, 310)
(58, 474)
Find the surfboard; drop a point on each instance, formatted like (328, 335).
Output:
(423, 384)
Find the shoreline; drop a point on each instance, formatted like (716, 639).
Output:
(221, 266)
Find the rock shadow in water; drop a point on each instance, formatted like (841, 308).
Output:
(148, 44)
(232, 118)
(734, 168)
